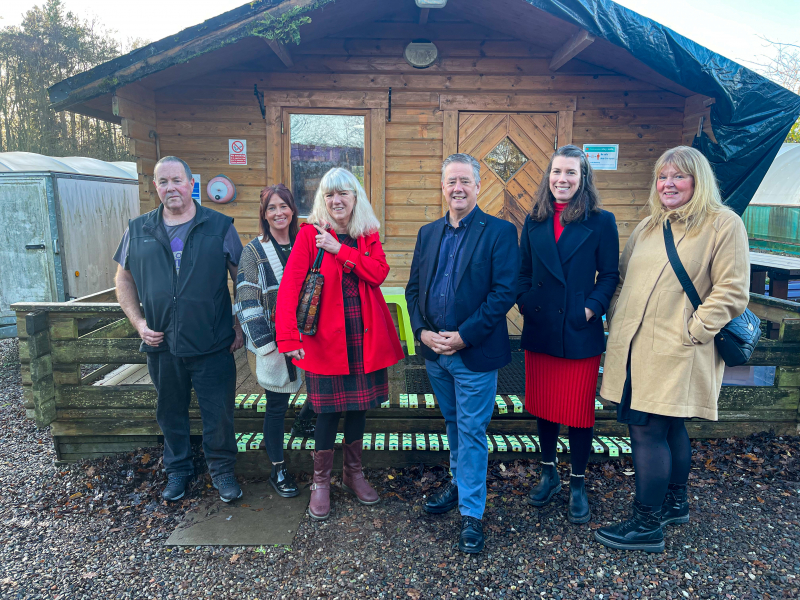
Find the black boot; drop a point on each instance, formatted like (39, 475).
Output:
(676, 505)
(578, 500)
(549, 485)
(302, 427)
(283, 481)
(641, 532)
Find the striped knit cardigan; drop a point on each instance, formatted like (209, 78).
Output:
(260, 273)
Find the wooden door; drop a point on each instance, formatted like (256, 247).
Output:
(513, 149)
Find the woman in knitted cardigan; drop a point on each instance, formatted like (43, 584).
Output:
(260, 272)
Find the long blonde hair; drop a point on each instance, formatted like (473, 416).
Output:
(362, 220)
(705, 202)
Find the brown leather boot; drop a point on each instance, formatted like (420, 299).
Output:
(353, 479)
(319, 507)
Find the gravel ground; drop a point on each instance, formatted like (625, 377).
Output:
(97, 530)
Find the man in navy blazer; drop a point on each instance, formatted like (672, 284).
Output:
(462, 285)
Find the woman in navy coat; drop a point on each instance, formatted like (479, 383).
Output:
(570, 268)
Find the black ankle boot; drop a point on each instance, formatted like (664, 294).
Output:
(578, 500)
(676, 505)
(283, 481)
(641, 532)
(302, 427)
(549, 485)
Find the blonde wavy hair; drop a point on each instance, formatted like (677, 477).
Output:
(706, 201)
(362, 220)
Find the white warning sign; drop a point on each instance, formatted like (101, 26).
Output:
(237, 152)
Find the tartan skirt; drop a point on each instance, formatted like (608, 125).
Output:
(358, 390)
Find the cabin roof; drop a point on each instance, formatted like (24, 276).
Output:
(750, 117)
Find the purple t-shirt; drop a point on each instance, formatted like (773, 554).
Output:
(231, 245)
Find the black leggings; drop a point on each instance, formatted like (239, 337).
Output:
(355, 421)
(306, 412)
(277, 403)
(580, 444)
(662, 454)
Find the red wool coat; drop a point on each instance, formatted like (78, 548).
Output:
(326, 351)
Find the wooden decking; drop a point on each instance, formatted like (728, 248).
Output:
(113, 409)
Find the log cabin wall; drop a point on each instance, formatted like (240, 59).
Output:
(355, 68)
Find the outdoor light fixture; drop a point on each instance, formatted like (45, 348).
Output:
(421, 54)
(431, 3)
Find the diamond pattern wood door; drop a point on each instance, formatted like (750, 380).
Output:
(513, 150)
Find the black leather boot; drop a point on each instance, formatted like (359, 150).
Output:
(471, 539)
(578, 500)
(641, 532)
(283, 481)
(549, 485)
(676, 505)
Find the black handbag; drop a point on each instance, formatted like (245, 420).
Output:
(737, 340)
(310, 297)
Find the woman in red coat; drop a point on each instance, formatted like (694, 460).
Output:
(346, 360)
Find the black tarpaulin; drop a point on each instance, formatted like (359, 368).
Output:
(751, 117)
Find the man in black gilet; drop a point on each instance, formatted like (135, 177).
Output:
(175, 260)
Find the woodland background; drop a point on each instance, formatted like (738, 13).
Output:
(53, 43)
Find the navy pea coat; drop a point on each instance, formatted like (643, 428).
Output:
(558, 280)
(485, 288)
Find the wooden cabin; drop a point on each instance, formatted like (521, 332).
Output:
(390, 88)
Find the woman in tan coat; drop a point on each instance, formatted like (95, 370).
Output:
(661, 364)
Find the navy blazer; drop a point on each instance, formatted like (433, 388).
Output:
(485, 288)
(557, 281)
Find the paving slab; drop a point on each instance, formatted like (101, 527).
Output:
(259, 518)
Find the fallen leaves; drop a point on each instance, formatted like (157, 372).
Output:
(234, 558)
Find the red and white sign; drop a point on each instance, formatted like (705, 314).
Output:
(237, 152)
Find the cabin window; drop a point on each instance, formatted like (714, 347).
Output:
(320, 142)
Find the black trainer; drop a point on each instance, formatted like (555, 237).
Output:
(176, 487)
(641, 532)
(579, 511)
(549, 485)
(227, 486)
(471, 538)
(283, 481)
(446, 500)
(675, 509)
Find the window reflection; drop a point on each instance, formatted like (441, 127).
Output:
(319, 143)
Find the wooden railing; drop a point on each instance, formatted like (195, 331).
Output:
(57, 338)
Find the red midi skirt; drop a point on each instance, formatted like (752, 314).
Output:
(561, 390)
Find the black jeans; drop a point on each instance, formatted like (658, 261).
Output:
(213, 377)
(277, 404)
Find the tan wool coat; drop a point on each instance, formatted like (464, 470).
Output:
(652, 317)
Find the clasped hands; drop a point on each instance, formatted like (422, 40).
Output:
(444, 342)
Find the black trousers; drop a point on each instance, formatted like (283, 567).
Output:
(213, 377)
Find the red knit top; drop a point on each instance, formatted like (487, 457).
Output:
(558, 228)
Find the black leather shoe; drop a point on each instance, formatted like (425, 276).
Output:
(676, 506)
(444, 501)
(578, 501)
(176, 487)
(549, 485)
(641, 532)
(471, 538)
(283, 481)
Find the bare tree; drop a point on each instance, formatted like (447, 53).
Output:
(784, 68)
(52, 44)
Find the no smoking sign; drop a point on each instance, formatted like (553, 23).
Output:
(237, 152)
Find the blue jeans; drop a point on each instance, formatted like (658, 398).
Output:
(213, 377)
(466, 399)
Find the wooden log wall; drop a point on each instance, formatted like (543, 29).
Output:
(135, 104)
(354, 69)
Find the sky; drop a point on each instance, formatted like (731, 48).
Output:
(728, 27)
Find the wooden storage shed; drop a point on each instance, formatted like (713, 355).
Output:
(308, 84)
